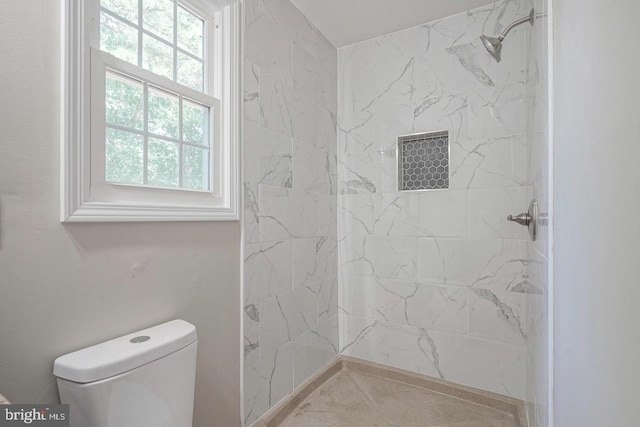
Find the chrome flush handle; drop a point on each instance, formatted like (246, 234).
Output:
(528, 219)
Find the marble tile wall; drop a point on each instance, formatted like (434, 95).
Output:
(538, 252)
(437, 282)
(290, 205)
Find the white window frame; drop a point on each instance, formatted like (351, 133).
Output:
(85, 196)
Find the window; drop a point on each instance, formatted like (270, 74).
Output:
(151, 105)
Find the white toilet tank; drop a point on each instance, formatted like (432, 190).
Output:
(143, 379)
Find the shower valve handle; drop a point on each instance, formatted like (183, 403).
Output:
(522, 219)
(528, 219)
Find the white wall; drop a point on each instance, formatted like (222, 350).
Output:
(64, 287)
(597, 199)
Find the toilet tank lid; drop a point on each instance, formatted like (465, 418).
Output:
(123, 354)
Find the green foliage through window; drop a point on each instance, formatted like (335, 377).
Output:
(161, 132)
(171, 42)
(153, 137)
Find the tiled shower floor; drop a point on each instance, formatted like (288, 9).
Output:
(352, 398)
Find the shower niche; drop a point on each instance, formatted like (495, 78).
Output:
(423, 161)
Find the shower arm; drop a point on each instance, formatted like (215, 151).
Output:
(531, 19)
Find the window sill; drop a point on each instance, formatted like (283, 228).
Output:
(102, 212)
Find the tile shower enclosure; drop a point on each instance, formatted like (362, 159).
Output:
(336, 258)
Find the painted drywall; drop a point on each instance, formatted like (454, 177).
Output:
(597, 197)
(290, 224)
(65, 287)
(436, 281)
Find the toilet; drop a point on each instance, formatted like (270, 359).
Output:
(143, 379)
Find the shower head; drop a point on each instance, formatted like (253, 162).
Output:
(494, 44)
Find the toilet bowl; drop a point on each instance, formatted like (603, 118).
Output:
(143, 379)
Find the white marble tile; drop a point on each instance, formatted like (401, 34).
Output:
(283, 13)
(267, 270)
(360, 163)
(286, 110)
(498, 316)
(443, 308)
(488, 211)
(284, 317)
(274, 104)
(443, 112)
(468, 59)
(326, 129)
(538, 149)
(391, 257)
(332, 163)
(251, 340)
(357, 296)
(327, 211)
(395, 113)
(487, 365)
(251, 213)
(306, 73)
(381, 342)
(357, 174)
(286, 214)
(428, 213)
(312, 168)
(355, 214)
(251, 91)
(474, 67)
(274, 322)
(290, 91)
(267, 380)
(489, 163)
(382, 50)
(497, 112)
(329, 88)
(437, 77)
(265, 43)
(442, 73)
(304, 113)
(314, 349)
(327, 53)
(314, 259)
(387, 84)
(351, 261)
(537, 271)
(270, 155)
(488, 264)
(306, 35)
(327, 291)
(306, 303)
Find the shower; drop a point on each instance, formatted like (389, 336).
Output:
(494, 44)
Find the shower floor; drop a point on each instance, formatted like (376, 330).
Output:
(357, 399)
(363, 394)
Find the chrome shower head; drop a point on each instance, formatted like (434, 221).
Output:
(494, 46)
